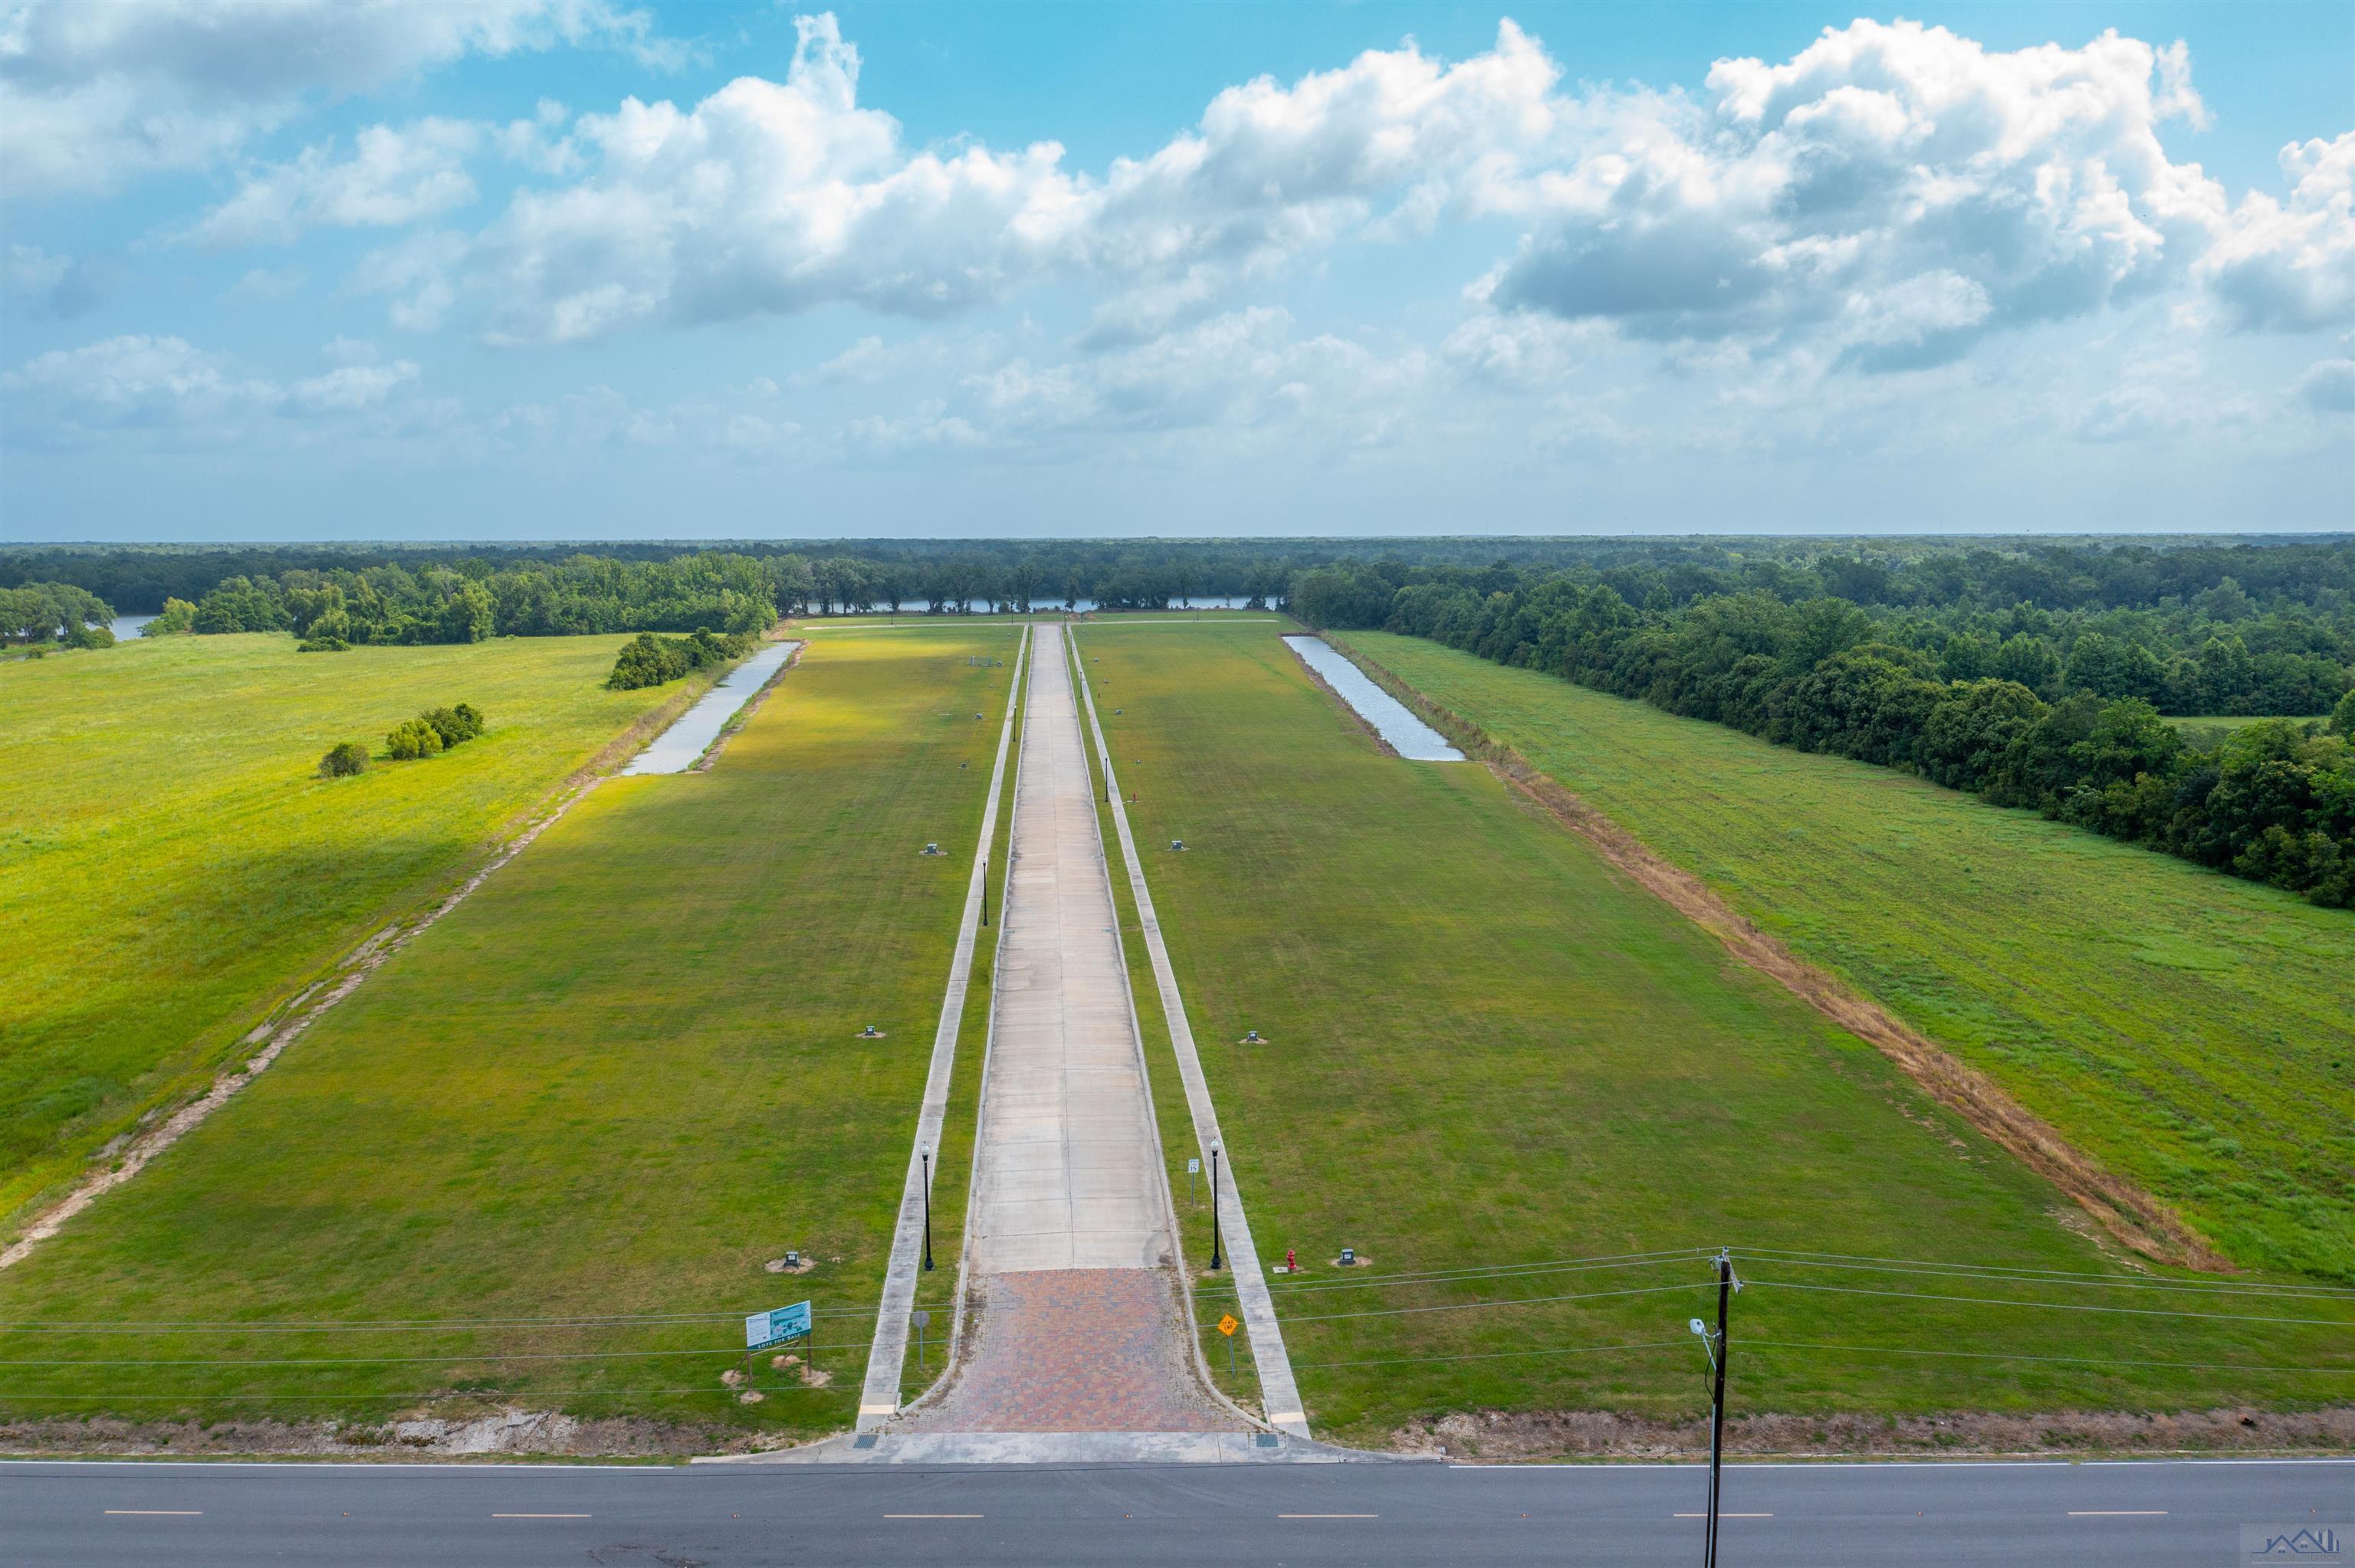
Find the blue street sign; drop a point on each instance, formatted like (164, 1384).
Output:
(784, 1323)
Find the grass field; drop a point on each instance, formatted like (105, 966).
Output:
(2194, 1031)
(573, 1119)
(171, 869)
(1490, 1054)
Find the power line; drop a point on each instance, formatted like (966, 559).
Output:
(402, 1325)
(730, 1351)
(2071, 1361)
(2023, 1276)
(1512, 1301)
(2057, 1305)
(1504, 1355)
(431, 1394)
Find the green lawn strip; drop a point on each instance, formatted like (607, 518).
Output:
(614, 1082)
(1487, 1048)
(172, 868)
(2193, 1031)
(937, 1292)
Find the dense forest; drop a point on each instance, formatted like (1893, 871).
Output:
(2039, 672)
(1935, 667)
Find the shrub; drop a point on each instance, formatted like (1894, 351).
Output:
(322, 645)
(179, 616)
(412, 739)
(650, 660)
(346, 759)
(455, 724)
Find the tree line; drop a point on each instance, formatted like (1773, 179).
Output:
(2060, 710)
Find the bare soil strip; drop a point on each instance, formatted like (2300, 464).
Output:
(286, 1025)
(2135, 1217)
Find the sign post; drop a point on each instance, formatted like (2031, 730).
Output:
(923, 1321)
(1193, 1168)
(1226, 1326)
(762, 1330)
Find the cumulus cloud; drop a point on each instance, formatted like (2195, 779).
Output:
(1244, 375)
(59, 287)
(2291, 265)
(98, 93)
(168, 387)
(2328, 385)
(1895, 190)
(771, 198)
(1888, 196)
(393, 178)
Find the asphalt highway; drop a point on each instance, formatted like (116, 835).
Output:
(117, 1515)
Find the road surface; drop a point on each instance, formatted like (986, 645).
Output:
(2147, 1514)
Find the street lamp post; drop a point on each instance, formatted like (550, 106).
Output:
(1215, 1259)
(985, 892)
(926, 1154)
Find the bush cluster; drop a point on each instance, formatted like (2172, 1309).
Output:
(432, 732)
(647, 659)
(346, 759)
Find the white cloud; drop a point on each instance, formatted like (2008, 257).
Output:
(771, 198)
(394, 177)
(98, 93)
(352, 388)
(57, 287)
(167, 389)
(1890, 196)
(1895, 191)
(129, 382)
(2291, 265)
(2328, 385)
(1242, 379)
(265, 285)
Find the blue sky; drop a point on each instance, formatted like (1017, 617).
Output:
(576, 269)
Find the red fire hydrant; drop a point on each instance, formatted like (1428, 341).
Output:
(1289, 1266)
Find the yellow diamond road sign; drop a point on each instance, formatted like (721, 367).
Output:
(1227, 1325)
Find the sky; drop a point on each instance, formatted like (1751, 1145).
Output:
(364, 269)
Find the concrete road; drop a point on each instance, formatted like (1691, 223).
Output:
(94, 1515)
(1069, 1170)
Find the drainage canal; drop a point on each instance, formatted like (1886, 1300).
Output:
(1408, 736)
(675, 749)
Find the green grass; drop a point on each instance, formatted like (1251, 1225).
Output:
(2194, 1031)
(616, 1081)
(1488, 1049)
(171, 868)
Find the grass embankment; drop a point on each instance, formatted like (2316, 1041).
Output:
(172, 868)
(2193, 1032)
(611, 1084)
(1489, 1052)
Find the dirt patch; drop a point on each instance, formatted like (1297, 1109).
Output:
(287, 1023)
(502, 1432)
(1505, 1435)
(2135, 1217)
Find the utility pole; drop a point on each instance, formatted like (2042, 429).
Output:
(1716, 1344)
(1215, 1259)
(927, 1156)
